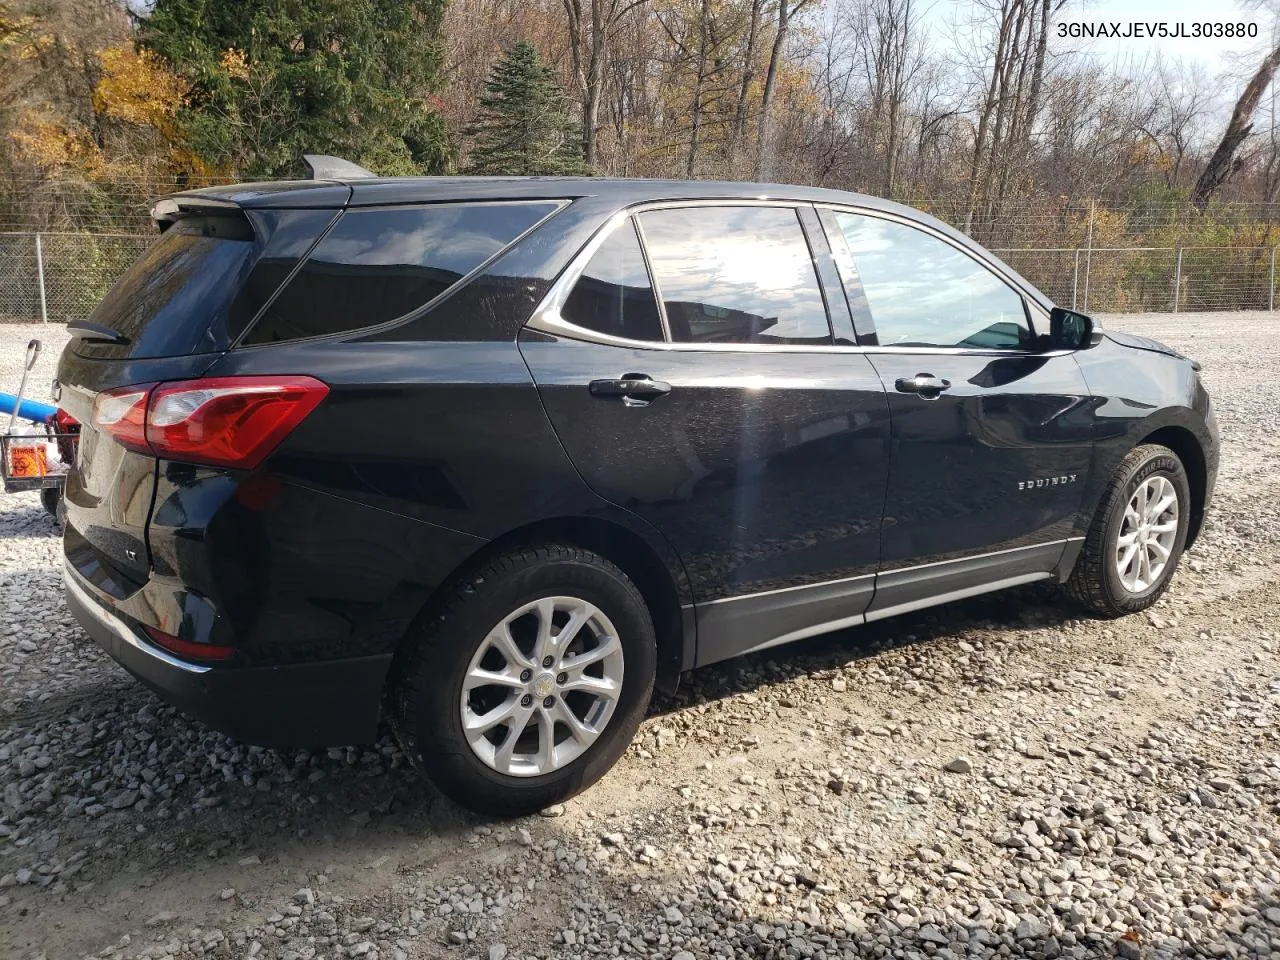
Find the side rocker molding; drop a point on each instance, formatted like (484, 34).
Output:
(734, 626)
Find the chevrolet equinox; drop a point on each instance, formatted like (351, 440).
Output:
(494, 457)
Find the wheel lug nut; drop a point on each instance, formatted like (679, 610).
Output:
(561, 677)
(547, 661)
(525, 675)
(549, 702)
(526, 700)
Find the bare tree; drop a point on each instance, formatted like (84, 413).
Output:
(1014, 63)
(748, 76)
(862, 98)
(1224, 162)
(892, 55)
(1271, 168)
(700, 79)
(1179, 101)
(787, 12)
(591, 23)
(835, 76)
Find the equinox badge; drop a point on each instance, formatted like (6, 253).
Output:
(1046, 482)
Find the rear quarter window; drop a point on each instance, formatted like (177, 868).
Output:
(379, 264)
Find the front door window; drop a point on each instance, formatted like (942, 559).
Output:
(923, 292)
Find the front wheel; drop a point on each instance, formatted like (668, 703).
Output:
(528, 682)
(1136, 539)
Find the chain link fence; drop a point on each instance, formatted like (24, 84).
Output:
(60, 276)
(1151, 279)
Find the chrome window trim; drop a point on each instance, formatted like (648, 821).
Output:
(547, 317)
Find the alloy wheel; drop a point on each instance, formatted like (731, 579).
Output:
(542, 686)
(1147, 534)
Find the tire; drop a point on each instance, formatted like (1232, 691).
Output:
(50, 498)
(457, 637)
(1095, 582)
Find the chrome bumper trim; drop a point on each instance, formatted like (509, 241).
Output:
(119, 628)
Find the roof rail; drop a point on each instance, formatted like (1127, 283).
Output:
(323, 167)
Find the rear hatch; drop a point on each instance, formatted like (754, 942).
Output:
(183, 304)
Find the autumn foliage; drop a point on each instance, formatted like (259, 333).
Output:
(87, 119)
(101, 110)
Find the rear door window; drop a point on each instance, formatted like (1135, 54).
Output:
(735, 275)
(379, 264)
(614, 295)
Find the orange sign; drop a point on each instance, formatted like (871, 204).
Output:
(28, 460)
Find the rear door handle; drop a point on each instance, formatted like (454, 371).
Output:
(631, 386)
(925, 385)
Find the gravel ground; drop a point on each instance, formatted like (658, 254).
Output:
(998, 777)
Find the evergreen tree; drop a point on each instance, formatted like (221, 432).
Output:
(524, 126)
(273, 79)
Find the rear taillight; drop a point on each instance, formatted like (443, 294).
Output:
(228, 421)
(123, 414)
(219, 421)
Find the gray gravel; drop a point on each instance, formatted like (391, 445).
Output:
(998, 777)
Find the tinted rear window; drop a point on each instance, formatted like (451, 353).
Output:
(196, 288)
(735, 275)
(614, 295)
(174, 299)
(379, 264)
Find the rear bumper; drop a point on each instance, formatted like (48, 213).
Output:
(327, 703)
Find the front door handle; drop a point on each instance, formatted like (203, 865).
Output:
(925, 385)
(631, 387)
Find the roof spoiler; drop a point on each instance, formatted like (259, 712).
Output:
(169, 210)
(322, 167)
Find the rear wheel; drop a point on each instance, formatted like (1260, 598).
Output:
(526, 685)
(1137, 536)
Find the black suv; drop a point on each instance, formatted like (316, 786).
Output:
(492, 457)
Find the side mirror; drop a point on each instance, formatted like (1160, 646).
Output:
(1069, 330)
